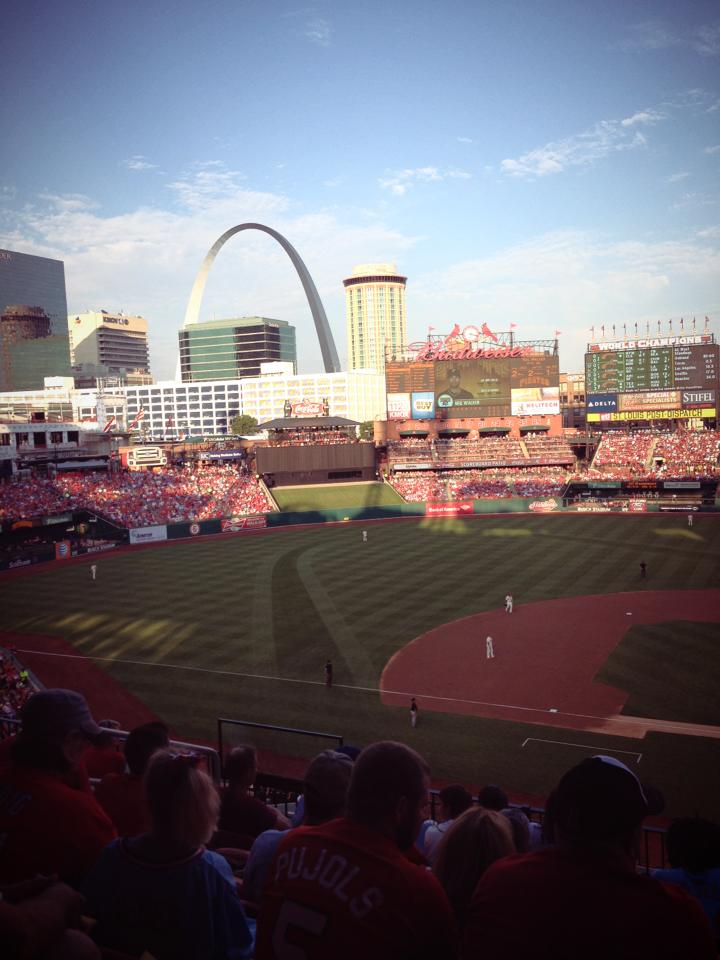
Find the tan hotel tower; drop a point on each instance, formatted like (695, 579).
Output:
(375, 312)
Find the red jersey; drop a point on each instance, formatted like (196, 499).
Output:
(122, 798)
(100, 761)
(341, 890)
(555, 903)
(48, 827)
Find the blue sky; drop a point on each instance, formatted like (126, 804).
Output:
(553, 165)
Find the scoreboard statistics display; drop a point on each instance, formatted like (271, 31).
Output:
(680, 366)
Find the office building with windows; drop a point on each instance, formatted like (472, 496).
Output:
(235, 348)
(172, 409)
(111, 344)
(375, 315)
(33, 321)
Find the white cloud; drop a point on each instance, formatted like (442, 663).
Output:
(712, 150)
(706, 40)
(570, 281)
(318, 31)
(677, 177)
(464, 140)
(139, 162)
(401, 181)
(657, 35)
(690, 201)
(582, 149)
(643, 116)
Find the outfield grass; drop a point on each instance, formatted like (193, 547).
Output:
(252, 620)
(333, 496)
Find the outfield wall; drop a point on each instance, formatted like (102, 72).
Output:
(66, 549)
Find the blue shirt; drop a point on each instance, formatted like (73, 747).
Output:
(183, 910)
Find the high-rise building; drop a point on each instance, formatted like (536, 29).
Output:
(231, 349)
(109, 345)
(33, 321)
(375, 314)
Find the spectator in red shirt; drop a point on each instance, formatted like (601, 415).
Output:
(48, 826)
(242, 816)
(103, 756)
(121, 795)
(583, 898)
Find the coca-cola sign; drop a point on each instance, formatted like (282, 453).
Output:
(309, 408)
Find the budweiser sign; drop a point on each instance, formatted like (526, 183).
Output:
(431, 351)
(543, 506)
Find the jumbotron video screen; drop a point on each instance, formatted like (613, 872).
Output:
(480, 387)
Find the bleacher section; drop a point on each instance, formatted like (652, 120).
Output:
(139, 499)
(649, 453)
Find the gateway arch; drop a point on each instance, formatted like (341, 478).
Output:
(327, 344)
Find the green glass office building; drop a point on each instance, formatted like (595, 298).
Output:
(234, 349)
(33, 321)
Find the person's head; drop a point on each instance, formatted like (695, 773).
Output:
(142, 742)
(325, 787)
(57, 727)
(693, 844)
(241, 766)
(454, 800)
(454, 377)
(388, 790)
(492, 797)
(520, 826)
(477, 839)
(181, 799)
(600, 802)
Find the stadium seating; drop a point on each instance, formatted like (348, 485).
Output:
(140, 499)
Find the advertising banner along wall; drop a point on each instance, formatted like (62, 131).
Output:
(148, 534)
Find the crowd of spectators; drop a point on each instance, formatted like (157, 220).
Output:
(136, 499)
(16, 686)
(629, 452)
(687, 454)
(365, 874)
(678, 455)
(303, 438)
(494, 483)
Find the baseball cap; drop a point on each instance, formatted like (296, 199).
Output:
(50, 714)
(328, 776)
(602, 798)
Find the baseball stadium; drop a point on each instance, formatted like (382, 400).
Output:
(467, 576)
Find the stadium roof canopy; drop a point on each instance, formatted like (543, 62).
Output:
(413, 433)
(307, 423)
(494, 430)
(454, 431)
(533, 427)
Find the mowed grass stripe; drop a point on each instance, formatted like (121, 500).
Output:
(203, 603)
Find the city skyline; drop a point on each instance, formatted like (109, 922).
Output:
(551, 167)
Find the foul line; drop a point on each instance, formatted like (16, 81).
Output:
(584, 746)
(346, 686)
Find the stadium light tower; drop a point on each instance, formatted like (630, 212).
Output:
(325, 337)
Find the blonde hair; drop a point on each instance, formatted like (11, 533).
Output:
(181, 798)
(477, 838)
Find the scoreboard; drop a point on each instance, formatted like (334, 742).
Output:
(671, 378)
(681, 366)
